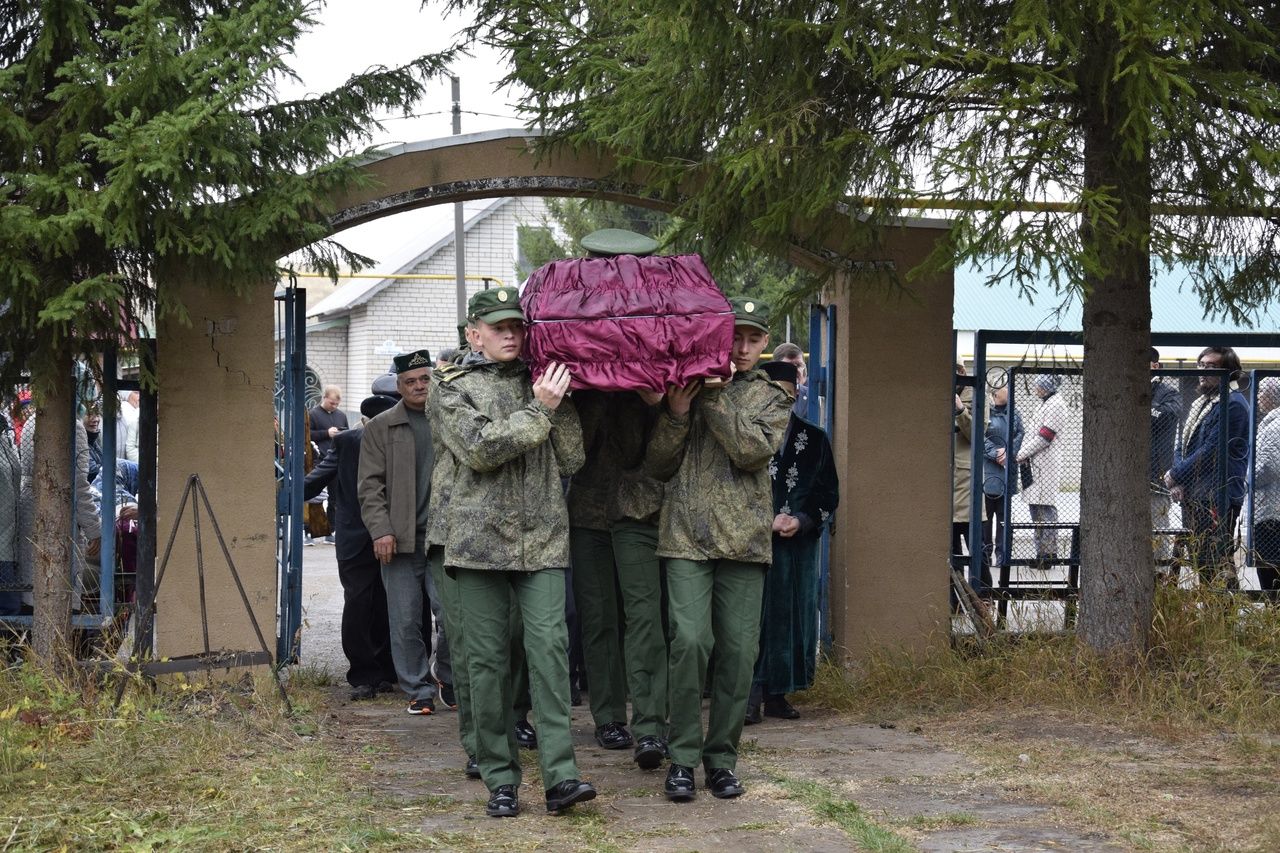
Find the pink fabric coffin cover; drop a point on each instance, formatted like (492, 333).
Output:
(624, 323)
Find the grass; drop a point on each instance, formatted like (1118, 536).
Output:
(192, 766)
(1214, 663)
(829, 806)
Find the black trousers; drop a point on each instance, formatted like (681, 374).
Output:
(366, 632)
(1210, 545)
(1266, 545)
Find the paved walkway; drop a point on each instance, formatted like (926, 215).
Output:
(822, 783)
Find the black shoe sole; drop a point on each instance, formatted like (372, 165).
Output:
(502, 812)
(650, 759)
(680, 796)
(581, 796)
(728, 794)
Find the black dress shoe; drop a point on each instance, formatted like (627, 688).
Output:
(723, 784)
(567, 793)
(386, 686)
(753, 715)
(649, 753)
(473, 768)
(363, 692)
(526, 737)
(778, 706)
(679, 785)
(614, 736)
(503, 802)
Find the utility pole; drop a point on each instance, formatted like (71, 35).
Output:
(459, 235)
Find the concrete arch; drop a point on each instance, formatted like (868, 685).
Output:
(893, 384)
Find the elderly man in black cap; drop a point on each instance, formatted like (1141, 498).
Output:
(366, 638)
(394, 489)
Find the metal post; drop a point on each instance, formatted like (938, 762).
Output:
(1249, 471)
(1221, 534)
(295, 403)
(816, 318)
(976, 502)
(459, 229)
(107, 517)
(148, 415)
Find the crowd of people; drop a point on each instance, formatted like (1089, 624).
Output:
(18, 429)
(1199, 460)
(475, 506)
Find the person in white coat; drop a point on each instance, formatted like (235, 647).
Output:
(1266, 495)
(1043, 450)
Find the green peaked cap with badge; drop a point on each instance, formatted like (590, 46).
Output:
(608, 242)
(411, 360)
(750, 312)
(492, 306)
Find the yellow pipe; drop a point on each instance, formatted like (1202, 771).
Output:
(427, 276)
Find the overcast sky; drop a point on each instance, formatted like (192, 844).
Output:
(353, 35)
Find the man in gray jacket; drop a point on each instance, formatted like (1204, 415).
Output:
(394, 490)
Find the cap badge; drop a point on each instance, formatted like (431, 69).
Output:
(749, 307)
(502, 296)
(418, 360)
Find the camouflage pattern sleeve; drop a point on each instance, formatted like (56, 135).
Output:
(750, 434)
(483, 443)
(567, 439)
(666, 447)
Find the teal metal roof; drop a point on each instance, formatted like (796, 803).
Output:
(1175, 307)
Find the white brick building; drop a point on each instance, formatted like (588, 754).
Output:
(353, 332)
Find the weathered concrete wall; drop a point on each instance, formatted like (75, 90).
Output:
(889, 582)
(216, 420)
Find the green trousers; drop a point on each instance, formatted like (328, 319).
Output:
(486, 600)
(454, 630)
(711, 604)
(595, 592)
(635, 546)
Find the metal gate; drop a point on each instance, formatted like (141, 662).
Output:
(290, 431)
(822, 374)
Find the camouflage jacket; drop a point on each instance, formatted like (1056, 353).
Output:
(445, 463)
(719, 499)
(638, 494)
(506, 509)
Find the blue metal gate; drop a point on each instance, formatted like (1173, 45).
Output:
(822, 372)
(290, 406)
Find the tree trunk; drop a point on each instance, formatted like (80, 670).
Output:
(51, 534)
(1117, 573)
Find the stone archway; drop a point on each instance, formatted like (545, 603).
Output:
(893, 434)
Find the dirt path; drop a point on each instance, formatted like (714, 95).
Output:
(987, 779)
(818, 784)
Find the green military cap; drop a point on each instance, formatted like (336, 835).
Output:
(748, 311)
(492, 306)
(411, 360)
(608, 242)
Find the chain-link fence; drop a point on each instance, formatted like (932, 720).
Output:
(1262, 510)
(1214, 474)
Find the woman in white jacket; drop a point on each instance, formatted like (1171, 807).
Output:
(1042, 448)
(1266, 493)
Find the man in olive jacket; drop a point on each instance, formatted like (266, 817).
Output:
(507, 545)
(715, 532)
(394, 490)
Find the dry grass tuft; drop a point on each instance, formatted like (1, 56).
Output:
(193, 764)
(1214, 663)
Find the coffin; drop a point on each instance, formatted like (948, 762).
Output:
(626, 323)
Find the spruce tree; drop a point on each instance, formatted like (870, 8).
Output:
(1083, 143)
(144, 137)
